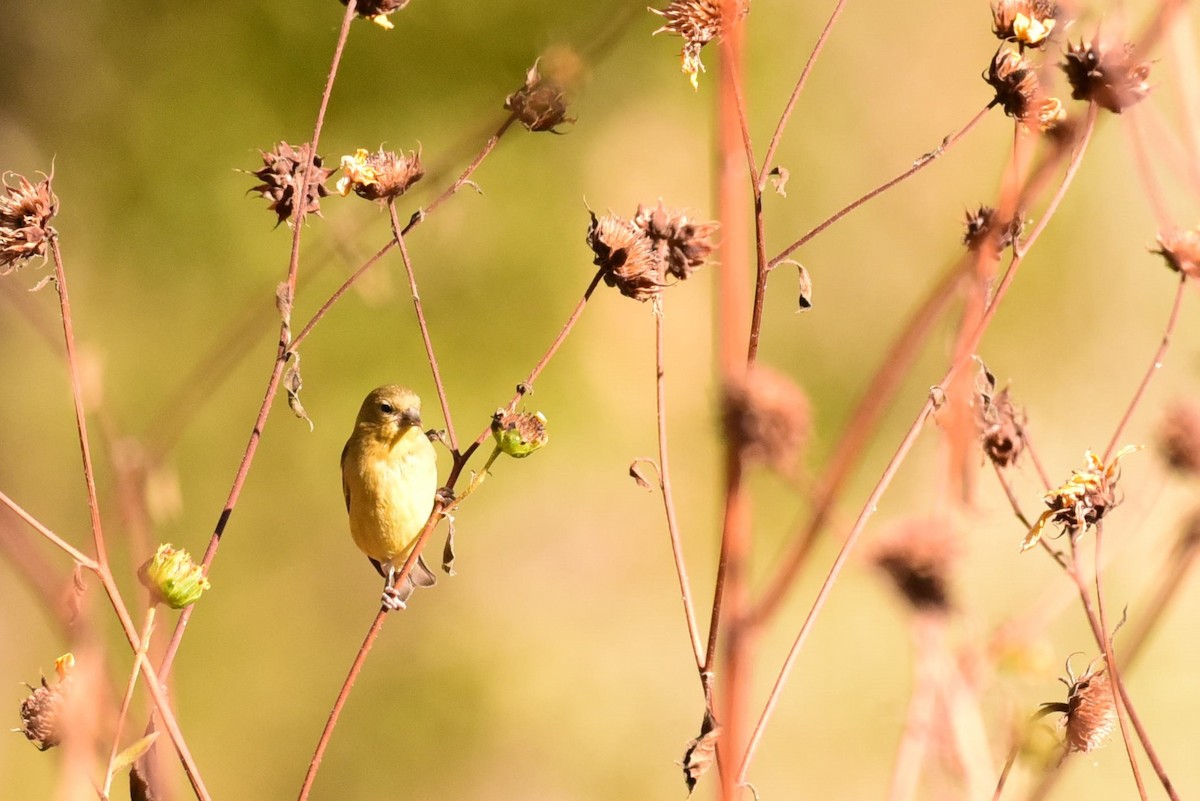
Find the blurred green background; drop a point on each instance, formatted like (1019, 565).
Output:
(555, 665)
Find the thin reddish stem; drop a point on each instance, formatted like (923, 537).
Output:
(66, 547)
(917, 166)
(664, 485)
(420, 310)
(139, 658)
(1110, 660)
(777, 137)
(1155, 365)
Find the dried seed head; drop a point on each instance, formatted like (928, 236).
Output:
(1179, 437)
(984, 226)
(519, 433)
(999, 421)
(1091, 710)
(1105, 74)
(625, 253)
(680, 245)
(1019, 92)
(918, 556)
(698, 22)
(541, 104)
(280, 176)
(1181, 249)
(1084, 499)
(381, 175)
(767, 416)
(378, 10)
(1026, 22)
(25, 212)
(42, 716)
(173, 578)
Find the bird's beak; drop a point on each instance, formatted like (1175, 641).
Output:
(410, 417)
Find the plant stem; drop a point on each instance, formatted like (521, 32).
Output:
(139, 659)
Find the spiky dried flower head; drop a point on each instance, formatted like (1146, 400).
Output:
(378, 11)
(42, 718)
(25, 212)
(680, 245)
(1020, 93)
(998, 419)
(1179, 437)
(984, 225)
(1026, 22)
(281, 176)
(1084, 499)
(519, 433)
(173, 578)
(1106, 74)
(1090, 708)
(918, 556)
(541, 103)
(767, 417)
(381, 175)
(626, 255)
(1181, 250)
(698, 22)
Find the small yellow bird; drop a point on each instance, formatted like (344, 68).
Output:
(389, 476)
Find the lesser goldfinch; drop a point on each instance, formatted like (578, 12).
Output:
(389, 476)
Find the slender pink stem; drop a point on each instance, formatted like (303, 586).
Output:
(1155, 365)
(139, 659)
(906, 444)
(70, 550)
(1111, 661)
(89, 475)
(791, 104)
(348, 685)
(416, 298)
(917, 166)
(285, 346)
(664, 484)
(527, 384)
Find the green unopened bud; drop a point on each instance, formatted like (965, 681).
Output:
(173, 578)
(519, 433)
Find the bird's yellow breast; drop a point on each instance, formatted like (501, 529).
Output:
(390, 488)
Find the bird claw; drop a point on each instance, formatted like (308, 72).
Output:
(391, 599)
(446, 496)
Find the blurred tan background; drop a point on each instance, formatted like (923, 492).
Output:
(555, 665)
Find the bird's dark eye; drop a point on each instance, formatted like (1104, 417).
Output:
(386, 408)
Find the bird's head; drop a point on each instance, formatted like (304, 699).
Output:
(390, 411)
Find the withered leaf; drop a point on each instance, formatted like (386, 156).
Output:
(806, 288)
(448, 549)
(779, 178)
(292, 382)
(701, 752)
(637, 473)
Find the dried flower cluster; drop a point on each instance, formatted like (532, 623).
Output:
(281, 176)
(1090, 709)
(1181, 250)
(1083, 500)
(1179, 437)
(540, 104)
(659, 242)
(25, 212)
(918, 556)
(1020, 93)
(381, 175)
(378, 11)
(998, 420)
(42, 710)
(698, 22)
(984, 225)
(767, 416)
(519, 433)
(1106, 74)
(1026, 22)
(679, 244)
